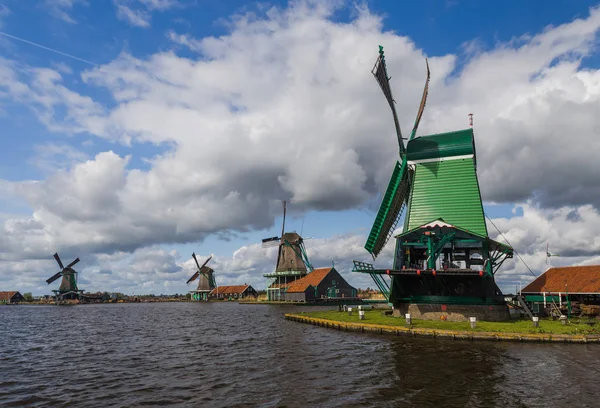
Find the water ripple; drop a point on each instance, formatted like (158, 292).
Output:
(225, 354)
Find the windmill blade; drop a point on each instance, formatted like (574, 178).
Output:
(423, 101)
(196, 259)
(58, 260)
(73, 263)
(211, 279)
(380, 73)
(283, 225)
(198, 263)
(270, 242)
(55, 277)
(204, 264)
(391, 209)
(193, 278)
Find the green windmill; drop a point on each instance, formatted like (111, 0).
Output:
(443, 257)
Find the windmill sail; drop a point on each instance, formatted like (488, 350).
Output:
(422, 104)
(270, 242)
(390, 210)
(380, 73)
(397, 194)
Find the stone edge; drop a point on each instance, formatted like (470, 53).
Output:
(446, 334)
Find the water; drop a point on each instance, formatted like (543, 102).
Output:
(231, 355)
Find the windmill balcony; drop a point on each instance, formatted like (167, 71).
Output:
(434, 272)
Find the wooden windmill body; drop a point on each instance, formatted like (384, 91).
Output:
(206, 280)
(68, 289)
(292, 261)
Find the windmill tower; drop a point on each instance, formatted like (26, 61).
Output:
(292, 260)
(444, 256)
(206, 280)
(68, 286)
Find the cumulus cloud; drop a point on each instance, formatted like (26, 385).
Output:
(284, 107)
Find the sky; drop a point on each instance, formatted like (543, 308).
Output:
(135, 132)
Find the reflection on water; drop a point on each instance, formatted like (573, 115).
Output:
(225, 354)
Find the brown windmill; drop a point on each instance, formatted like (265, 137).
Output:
(68, 286)
(292, 260)
(206, 280)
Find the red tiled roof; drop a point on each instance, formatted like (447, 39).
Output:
(227, 290)
(6, 296)
(572, 279)
(312, 279)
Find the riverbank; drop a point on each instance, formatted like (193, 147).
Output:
(518, 330)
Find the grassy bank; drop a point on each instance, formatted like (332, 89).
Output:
(546, 326)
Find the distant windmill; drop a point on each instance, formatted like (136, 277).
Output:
(68, 286)
(292, 260)
(292, 253)
(206, 281)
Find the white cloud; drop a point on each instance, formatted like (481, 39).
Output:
(52, 156)
(60, 8)
(138, 12)
(138, 18)
(569, 231)
(284, 106)
(4, 11)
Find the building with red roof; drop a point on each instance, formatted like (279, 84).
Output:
(233, 291)
(321, 283)
(579, 284)
(10, 297)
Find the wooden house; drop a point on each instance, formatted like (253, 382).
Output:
(322, 283)
(233, 292)
(10, 298)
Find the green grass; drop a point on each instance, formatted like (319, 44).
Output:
(546, 326)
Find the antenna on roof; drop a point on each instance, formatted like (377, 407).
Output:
(471, 120)
(548, 255)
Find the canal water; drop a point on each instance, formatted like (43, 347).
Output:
(231, 355)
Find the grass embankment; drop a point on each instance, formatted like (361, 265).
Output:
(546, 326)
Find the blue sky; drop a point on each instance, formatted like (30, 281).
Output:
(98, 32)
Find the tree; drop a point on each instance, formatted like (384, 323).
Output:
(28, 297)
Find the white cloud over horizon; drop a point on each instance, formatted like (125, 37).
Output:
(284, 107)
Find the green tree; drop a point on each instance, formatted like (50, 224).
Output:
(28, 297)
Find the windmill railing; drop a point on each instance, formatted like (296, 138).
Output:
(375, 274)
(285, 273)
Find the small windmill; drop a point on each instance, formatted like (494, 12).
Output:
(68, 287)
(292, 260)
(206, 281)
(292, 252)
